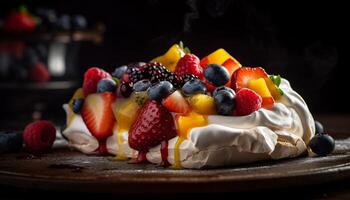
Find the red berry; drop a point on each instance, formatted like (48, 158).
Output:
(39, 136)
(153, 125)
(91, 77)
(247, 102)
(176, 103)
(39, 73)
(189, 64)
(19, 21)
(243, 75)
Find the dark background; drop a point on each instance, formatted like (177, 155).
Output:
(304, 41)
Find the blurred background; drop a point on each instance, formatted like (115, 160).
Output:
(304, 42)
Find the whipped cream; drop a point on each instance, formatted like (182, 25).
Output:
(281, 132)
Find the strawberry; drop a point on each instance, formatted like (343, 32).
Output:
(91, 77)
(247, 101)
(20, 21)
(39, 73)
(39, 136)
(189, 64)
(153, 125)
(231, 65)
(176, 103)
(98, 115)
(209, 86)
(243, 75)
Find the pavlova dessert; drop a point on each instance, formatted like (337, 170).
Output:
(183, 112)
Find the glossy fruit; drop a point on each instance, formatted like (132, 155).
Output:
(77, 105)
(39, 136)
(231, 65)
(217, 57)
(216, 74)
(322, 144)
(193, 87)
(202, 104)
(243, 75)
(188, 77)
(91, 78)
(141, 85)
(153, 125)
(126, 88)
(119, 71)
(225, 102)
(140, 98)
(106, 85)
(176, 103)
(175, 80)
(39, 73)
(318, 127)
(210, 87)
(171, 57)
(273, 89)
(160, 90)
(155, 72)
(189, 64)
(260, 87)
(98, 115)
(186, 122)
(215, 92)
(19, 21)
(125, 113)
(247, 102)
(77, 94)
(10, 141)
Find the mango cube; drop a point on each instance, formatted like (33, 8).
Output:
(203, 104)
(171, 57)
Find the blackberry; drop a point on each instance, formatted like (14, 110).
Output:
(134, 74)
(155, 72)
(188, 77)
(126, 88)
(175, 80)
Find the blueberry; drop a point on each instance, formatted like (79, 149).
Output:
(77, 105)
(79, 22)
(10, 141)
(224, 102)
(119, 71)
(221, 89)
(318, 127)
(216, 74)
(160, 90)
(322, 144)
(106, 85)
(142, 85)
(194, 86)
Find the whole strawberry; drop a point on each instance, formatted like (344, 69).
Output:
(247, 102)
(91, 77)
(189, 64)
(39, 136)
(153, 125)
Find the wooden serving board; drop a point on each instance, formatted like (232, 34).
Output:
(68, 170)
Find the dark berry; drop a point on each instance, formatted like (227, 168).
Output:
(119, 71)
(194, 86)
(10, 141)
(63, 23)
(188, 77)
(215, 92)
(77, 105)
(318, 127)
(216, 74)
(224, 102)
(126, 88)
(106, 85)
(142, 85)
(134, 74)
(160, 90)
(136, 64)
(322, 144)
(175, 80)
(155, 72)
(79, 22)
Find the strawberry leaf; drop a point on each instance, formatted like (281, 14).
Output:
(276, 79)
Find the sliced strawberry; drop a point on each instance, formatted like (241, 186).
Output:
(268, 102)
(231, 65)
(243, 75)
(153, 125)
(189, 64)
(176, 103)
(91, 77)
(98, 115)
(204, 62)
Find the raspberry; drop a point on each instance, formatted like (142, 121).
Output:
(39, 73)
(247, 102)
(91, 77)
(189, 64)
(39, 136)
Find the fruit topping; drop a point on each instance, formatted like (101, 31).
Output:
(39, 73)
(243, 75)
(91, 77)
(225, 101)
(217, 57)
(119, 71)
(189, 64)
(155, 72)
(218, 89)
(273, 83)
(231, 65)
(202, 104)
(171, 57)
(125, 88)
(216, 74)
(39, 136)
(20, 20)
(77, 105)
(141, 85)
(160, 90)
(139, 98)
(98, 115)
(106, 85)
(260, 87)
(125, 113)
(194, 86)
(247, 102)
(153, 125)
(176, 103)
(186, 122)
(175, 80)
(77, 94)
(10, 141)
(188, 77)
(322, 144)
(318, 127)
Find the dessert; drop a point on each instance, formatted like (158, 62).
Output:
(186, 112)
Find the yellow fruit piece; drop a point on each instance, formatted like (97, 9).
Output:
(125, 113)
(77, 94)
(171, 57)
(186, 122)
(203, 104)
(219, 57)
(273, 89)
(260, 87)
